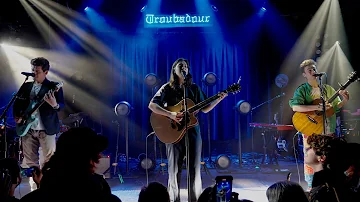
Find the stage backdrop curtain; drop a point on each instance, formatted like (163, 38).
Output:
(135, 57)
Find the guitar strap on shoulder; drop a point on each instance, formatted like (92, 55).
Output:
(44, 89)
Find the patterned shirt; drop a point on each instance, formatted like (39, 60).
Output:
(37, 125)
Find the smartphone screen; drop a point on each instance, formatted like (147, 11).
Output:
(223, 188)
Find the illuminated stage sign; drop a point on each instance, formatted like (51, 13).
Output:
(174, 20)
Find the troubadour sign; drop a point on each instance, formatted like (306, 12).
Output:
(174, 20)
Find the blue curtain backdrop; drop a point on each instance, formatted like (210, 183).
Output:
(156, 55)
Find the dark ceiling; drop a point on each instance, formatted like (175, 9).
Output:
(14, 20)
(13, 11)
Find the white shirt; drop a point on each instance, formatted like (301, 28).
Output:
(37, 125)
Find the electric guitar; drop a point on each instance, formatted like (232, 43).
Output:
(28, 116)
(309, 123)
(169, 131)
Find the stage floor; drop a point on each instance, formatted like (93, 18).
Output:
(251, 182)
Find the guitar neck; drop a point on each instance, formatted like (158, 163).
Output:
(37, 106)
(204, 103)
(343, 87)
(334, 96)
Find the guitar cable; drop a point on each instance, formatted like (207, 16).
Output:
(295, 154)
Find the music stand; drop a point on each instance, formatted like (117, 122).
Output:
(242, 107)
(152, 81)
(187, 145)
(123, 109)
(210, 80)
(322, 97)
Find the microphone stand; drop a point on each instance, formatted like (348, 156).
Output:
(251, 118)
(4, 117)
(187, 145)
(322, 97)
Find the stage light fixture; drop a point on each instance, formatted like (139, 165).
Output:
(143, 9)
(243, 107)
(151, 80)
(215, 9)
(146, 163)
(222, 162)
(122, 108)
(210, 79)
(86, 8)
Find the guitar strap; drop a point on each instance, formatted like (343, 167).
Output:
(45, 87)
(42, 92)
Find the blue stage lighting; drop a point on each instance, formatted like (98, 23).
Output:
(214, 8)
(263, 9)
(143, 9)
(86, 8)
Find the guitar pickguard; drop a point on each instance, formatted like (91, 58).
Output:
(311, 119)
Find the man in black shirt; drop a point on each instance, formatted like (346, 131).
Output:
(171, 94)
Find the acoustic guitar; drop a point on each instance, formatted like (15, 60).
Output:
(169, 131)
(309, 123)
(28, 116)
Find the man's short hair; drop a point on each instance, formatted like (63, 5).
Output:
(40, 61)
(306, 63)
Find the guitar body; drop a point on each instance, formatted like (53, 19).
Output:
(166, 129)
(310, 123)
(27, 121)
(169, 131)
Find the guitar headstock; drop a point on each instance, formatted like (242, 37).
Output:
(233, 88)
(58, 86)
(353, 77)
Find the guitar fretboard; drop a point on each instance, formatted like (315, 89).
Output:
(204, 103)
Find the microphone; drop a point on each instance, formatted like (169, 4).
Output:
(28, 74)
(183, 73)
(319, 74)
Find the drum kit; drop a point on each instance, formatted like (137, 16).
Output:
(73, 121)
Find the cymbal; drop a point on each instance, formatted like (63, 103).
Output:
(74, 117)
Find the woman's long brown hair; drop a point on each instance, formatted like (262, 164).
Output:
(174, 79)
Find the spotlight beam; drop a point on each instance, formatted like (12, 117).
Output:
(87, 41)
(42, 26)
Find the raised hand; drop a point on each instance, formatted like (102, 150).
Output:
(50, 98)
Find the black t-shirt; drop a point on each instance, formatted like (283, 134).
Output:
(168, 96)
